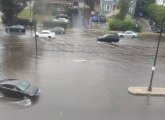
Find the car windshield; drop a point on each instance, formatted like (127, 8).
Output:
(106, 35)
(23, 86)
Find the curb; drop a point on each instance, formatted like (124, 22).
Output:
(143, 91)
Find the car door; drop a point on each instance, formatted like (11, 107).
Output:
(7, 90)
(128, 34)
(109, 38)
(43, 34)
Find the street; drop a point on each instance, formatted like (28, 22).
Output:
(81, 79)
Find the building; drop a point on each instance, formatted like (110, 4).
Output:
(107, 7)
(160, 2)
(131, 11)
(58, 4)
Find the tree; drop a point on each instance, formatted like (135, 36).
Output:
(10, 9)
(157, 13)
(124, 7)
(90, 3)
(141, 6)
(38, 7)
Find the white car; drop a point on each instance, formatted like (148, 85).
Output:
(129, 34)
(46, 34)
(61, 20)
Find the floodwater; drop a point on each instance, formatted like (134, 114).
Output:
(82, 79)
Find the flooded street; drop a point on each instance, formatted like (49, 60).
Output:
(81, 79)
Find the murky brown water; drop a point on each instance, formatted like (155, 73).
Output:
(81, 78)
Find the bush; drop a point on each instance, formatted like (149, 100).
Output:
(52, 24)
(120, 25)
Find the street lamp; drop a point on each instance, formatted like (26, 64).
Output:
(35, 29)
(153, 67)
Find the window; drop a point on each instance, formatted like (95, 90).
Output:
(8, 86)
(107, 7)
(23, 86)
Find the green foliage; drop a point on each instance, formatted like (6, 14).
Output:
(11, 8)
(157, 13)
(25, 14)
(53, 11)
(123, 25)
(52, 24)
(90, 3)
(123, 6)
(142, 5)
(38, 7)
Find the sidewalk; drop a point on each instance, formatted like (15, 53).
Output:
(156, 91)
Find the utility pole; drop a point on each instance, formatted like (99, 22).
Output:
(157, 50)
(35, 30)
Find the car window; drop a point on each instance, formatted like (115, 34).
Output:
(8, 86)
(128, 33)
(44, 32)
(23, 86)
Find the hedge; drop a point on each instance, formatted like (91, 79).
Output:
(123, 25)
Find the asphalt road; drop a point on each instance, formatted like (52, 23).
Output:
(81, 79)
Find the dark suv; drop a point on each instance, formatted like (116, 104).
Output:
(108, 38)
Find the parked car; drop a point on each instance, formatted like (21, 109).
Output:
(95, 18)
(58, 30)
(46, 34)
(18, 89)
(102, 18)
(98, 18)
(129, 34)
(61, 20)
(15, 29)
(108, 38)
(64, 20)
(63, 16)
(75, 5)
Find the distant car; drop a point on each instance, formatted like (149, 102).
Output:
(95, 18)
(61, 20)
(102, 18)
(18, 89)
(64, 20)
(46, 34)
(129, 34)
(58, 30)
(75, 5)
(63, 16)
(108, 38)
(15, 29)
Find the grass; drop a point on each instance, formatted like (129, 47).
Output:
(25, 14)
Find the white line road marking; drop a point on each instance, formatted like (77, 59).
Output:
(79, 60)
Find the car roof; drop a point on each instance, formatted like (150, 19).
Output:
(58, 28)
(129, 31)
(18, 26)
(111, 34)
(14, 82)
(62, 15)
(45, 31)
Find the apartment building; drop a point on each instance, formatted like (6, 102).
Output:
(58, 4)
(160, 2)
(107, 7)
